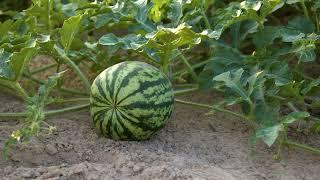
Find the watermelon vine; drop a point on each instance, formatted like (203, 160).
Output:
(258, 53)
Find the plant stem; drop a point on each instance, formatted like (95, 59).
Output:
(73, 91)
(282, 141)
(46, 113)
(212, 107)
(185, 85)
(184, 91)
(317, 22)
(302, 146)
(206, 21)
(63, 89)
(48, 15)
(303, 75)
(22, 93)
(193, 67)
(305, 10)
(292, 107)
(13, 115)
(61, 101)
(189, 68)
(39, 81)
(64, 110)
(43, 68)
(77, 70)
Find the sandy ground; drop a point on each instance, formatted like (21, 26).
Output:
(187, 148)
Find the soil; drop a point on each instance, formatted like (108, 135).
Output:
(193, 145)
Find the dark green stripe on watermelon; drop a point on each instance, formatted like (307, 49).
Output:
(115, 75)
(101, 91)
(118, 96)
(125, 81)
(144, 86)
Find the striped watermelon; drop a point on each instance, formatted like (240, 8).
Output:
(131, 101)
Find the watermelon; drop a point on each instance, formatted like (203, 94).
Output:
(131, 101)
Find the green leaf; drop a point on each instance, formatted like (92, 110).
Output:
(251, 4)
(42, 9)
(266, 36)
(301, 24)
(292, 90)
(12, 65)
(270, 6)
(69, 9)
(304, 50)
(246, 28)
(233, 13)
(253, 81)
(5, 27)
(5, 71)
(311, 86)
(223, 60)
(279, 72)
(69, 31)
(294, 116)
(183, 35)
(266, 112)
(175, 12)
(162, 44)
(158, 10)
(233, 81)
(142, 15)
(103, 19)
(291, 35)
(130, 41)
(269, 134)
(307, 55)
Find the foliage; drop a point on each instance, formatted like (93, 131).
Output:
(254, 51)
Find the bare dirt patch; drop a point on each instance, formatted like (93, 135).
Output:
(187, 148)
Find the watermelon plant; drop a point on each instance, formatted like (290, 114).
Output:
(263, 55)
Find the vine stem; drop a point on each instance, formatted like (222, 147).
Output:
(189, 68)
(211, 107)
(73, 91)
(317, 21)
(303, 147)
(305, 10)
(43, 68)
(46, 113)
(22, 93)
(193, 67)
(69, 109)
(63, 89)
(61, 101)
(184, 91)
(77, 70)
(185, 85)
(293, 108)
(206, 21)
